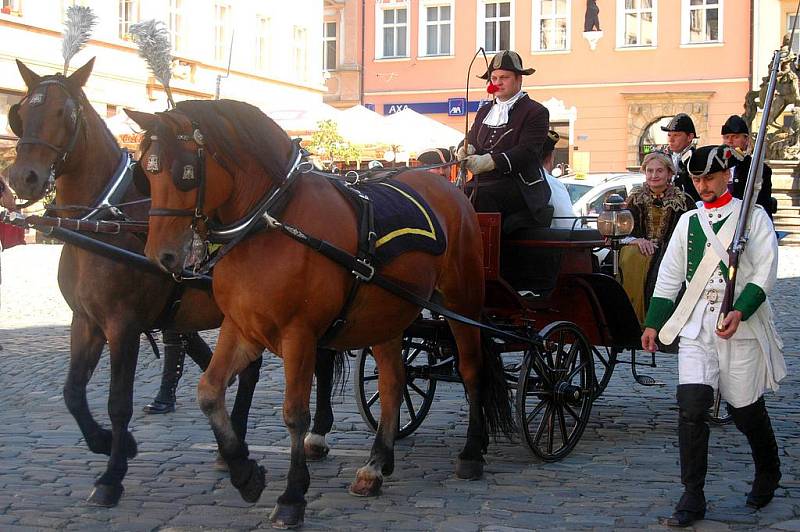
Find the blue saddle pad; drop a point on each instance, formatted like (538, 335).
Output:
(403, 221)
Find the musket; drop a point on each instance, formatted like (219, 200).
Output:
(752, 187)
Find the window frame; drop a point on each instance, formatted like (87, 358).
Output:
(621, 12)
(122, 23)
(223, 29)
(176, 20)
(536, 33)
(300, 51)
(380, 9)
(686, 9)
(481, 23)
(326, 39)
(423, 27)
(262, 59)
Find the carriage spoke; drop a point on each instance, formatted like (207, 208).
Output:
(371, 400)
(575, 371)
(370, 378)
(540, 428)
(535, 411)
(417, 389)
(409, 404)
(562, 425)
(413, 355)
(572, 413)
(571, 356)
(551, 426)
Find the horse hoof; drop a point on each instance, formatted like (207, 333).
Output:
(469, 469)
(366, 487)
(315, 447)
(220, 464)
(251, 490)
(285, 516)
(105, 495)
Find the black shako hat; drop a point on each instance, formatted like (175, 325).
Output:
(680, 122)
(507, 60)
(435, 156)
(735, 124)
(550, 142)
(711, 159)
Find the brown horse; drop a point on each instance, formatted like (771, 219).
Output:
(278, 293)
(112, 301)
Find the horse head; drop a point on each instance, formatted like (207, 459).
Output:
(49, 122)
(206, 163)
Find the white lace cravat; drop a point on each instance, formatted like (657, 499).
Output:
(498, 114)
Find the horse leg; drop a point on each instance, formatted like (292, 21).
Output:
(369, 477)
(124, 348)
(231, 355)
(316, 447)
(489, 400)
(299, 360)
(86, 345)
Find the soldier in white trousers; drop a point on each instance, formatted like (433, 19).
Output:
(741, 355)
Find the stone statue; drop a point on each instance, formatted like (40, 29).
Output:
(591, 20)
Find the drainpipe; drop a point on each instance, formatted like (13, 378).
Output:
(752, 44)
(363, 45)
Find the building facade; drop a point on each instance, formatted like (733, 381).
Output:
(608, 89)
(274, 52)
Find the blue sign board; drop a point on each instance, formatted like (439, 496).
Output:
(370, 106)
(432, 107)
(456, 106)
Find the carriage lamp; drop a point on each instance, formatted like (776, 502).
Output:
(615, 223)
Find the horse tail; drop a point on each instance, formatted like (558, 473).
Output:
(495, 393)
(341, 371)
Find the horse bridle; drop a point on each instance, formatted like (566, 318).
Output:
(35, 97)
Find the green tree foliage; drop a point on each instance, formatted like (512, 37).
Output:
(330, 146)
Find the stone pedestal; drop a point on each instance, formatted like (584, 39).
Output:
(592, 37)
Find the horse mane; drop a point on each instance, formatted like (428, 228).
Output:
(254, 134)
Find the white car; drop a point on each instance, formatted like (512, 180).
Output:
(588, 194)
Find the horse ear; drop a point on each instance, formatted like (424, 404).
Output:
(79, 77)
(145, 120)
(30, 77)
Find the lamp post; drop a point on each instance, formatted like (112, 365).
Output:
(615, 223)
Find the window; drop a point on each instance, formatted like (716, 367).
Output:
(436, 33)
(176, 24)
(392, 35)
(300, 54)
(12, 6)
(263, 49)
(636, 23)
(701, 21)
(796, 39)
(496, 25)
(222, 31)
(128, 15)
(329, 46)
(551, 25)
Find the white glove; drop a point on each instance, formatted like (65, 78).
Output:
(478, 164)
(461, 153)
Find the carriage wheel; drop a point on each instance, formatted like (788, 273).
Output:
(418, 392)
(605, 360)
(555, 391)
(717, 409)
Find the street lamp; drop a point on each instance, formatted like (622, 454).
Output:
(615, 223)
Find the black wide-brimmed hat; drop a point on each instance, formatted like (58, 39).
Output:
(711, 159)
(735, 124)
(550, 142)
(435, 156)
(507, 60)
(680, 122)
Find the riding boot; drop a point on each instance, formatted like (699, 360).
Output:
(694, 400)
(173, 370)
(197, 349)
(753, 421)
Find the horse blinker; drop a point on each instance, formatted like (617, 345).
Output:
(14, 120)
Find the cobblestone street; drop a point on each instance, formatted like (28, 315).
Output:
(623, 474)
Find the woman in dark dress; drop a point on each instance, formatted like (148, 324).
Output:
(656, 207)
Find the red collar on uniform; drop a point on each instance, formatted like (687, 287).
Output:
(719, 202)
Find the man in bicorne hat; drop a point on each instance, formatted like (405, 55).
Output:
(504, 150)
(736, 134)
(740, 354)
(680, 135)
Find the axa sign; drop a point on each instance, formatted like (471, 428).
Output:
(395, 108)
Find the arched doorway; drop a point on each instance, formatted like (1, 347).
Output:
(653, 138)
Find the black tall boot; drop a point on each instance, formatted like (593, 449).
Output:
(173, 370)
(694, 400)
(753, 421)
(197, 349)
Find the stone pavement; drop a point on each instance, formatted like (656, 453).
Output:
(622, 475)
